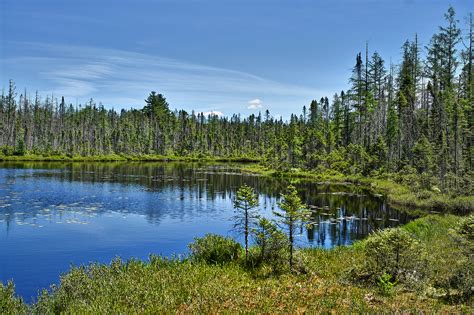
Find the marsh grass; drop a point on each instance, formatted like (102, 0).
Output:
(125, 157)
(399, 195)
(322, 282)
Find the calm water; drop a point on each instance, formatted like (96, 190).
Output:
(53, 215)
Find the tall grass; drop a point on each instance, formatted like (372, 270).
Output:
(323, 282)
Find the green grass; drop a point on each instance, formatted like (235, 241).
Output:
(124, 157)
(401, 195)
(398, 195)
(324, 284)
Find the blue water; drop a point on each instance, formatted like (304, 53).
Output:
(54, 215)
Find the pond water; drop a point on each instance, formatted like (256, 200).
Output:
(54, 215)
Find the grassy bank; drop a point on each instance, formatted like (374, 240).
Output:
(124, 157)
(326, 280)
(398, 195)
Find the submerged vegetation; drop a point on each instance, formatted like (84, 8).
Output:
(423, 266)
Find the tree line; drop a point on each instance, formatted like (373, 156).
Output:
(417, 114)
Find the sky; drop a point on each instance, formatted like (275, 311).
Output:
(222, 56)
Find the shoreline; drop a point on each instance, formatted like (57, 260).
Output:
(123, 158)
(398, 195)
(188, 285)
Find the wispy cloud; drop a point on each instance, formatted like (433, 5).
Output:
(122, 79)
(255, 104)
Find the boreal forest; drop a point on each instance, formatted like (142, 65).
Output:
(358, 202)
(417, 114)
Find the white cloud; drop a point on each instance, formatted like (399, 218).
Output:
(213, 112)
(255, 104)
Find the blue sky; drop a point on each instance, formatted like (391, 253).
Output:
(223, 56)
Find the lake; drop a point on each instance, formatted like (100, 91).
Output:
(54, 215)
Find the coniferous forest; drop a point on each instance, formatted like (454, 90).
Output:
(363, 204)
(416, 114)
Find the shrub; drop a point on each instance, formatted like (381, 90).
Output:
(215, 249)
(9, 303)
(386, 284)
(394, 252)
(462, 277)
(7, 150)
(20, 149)
(466, 229)
(272, 246)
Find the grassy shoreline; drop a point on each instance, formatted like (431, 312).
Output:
(327, 283)
(124, 158)
(398, 195)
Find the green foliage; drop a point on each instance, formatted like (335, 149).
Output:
(272, 246)
(462, 271)
(9, 303)
(20, 148)
(293, 211)
(466, 229)
(423, 155)
(215, 249)
(358, 159)
(386, 284)
(7, 150)
(396, 253)
(449, 254)
(378, 152)
(245, 203)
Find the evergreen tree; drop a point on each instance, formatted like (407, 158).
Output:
(245, 204)
(293, 211)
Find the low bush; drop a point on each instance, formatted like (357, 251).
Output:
(394, 252)
(9, 303)
(386, 284)
(461, 282)
(215, 249)
(466, 230)
(271, 247)
(7, 150)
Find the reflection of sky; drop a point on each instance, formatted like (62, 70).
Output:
(52, 218)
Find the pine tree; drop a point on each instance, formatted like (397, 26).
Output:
(293, 211)
(245, 204)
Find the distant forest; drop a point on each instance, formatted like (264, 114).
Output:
(417, 115)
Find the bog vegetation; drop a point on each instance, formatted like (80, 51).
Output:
(426, 265)
(407, 126)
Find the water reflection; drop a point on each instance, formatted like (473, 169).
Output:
(53, 215)
(76, 193)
